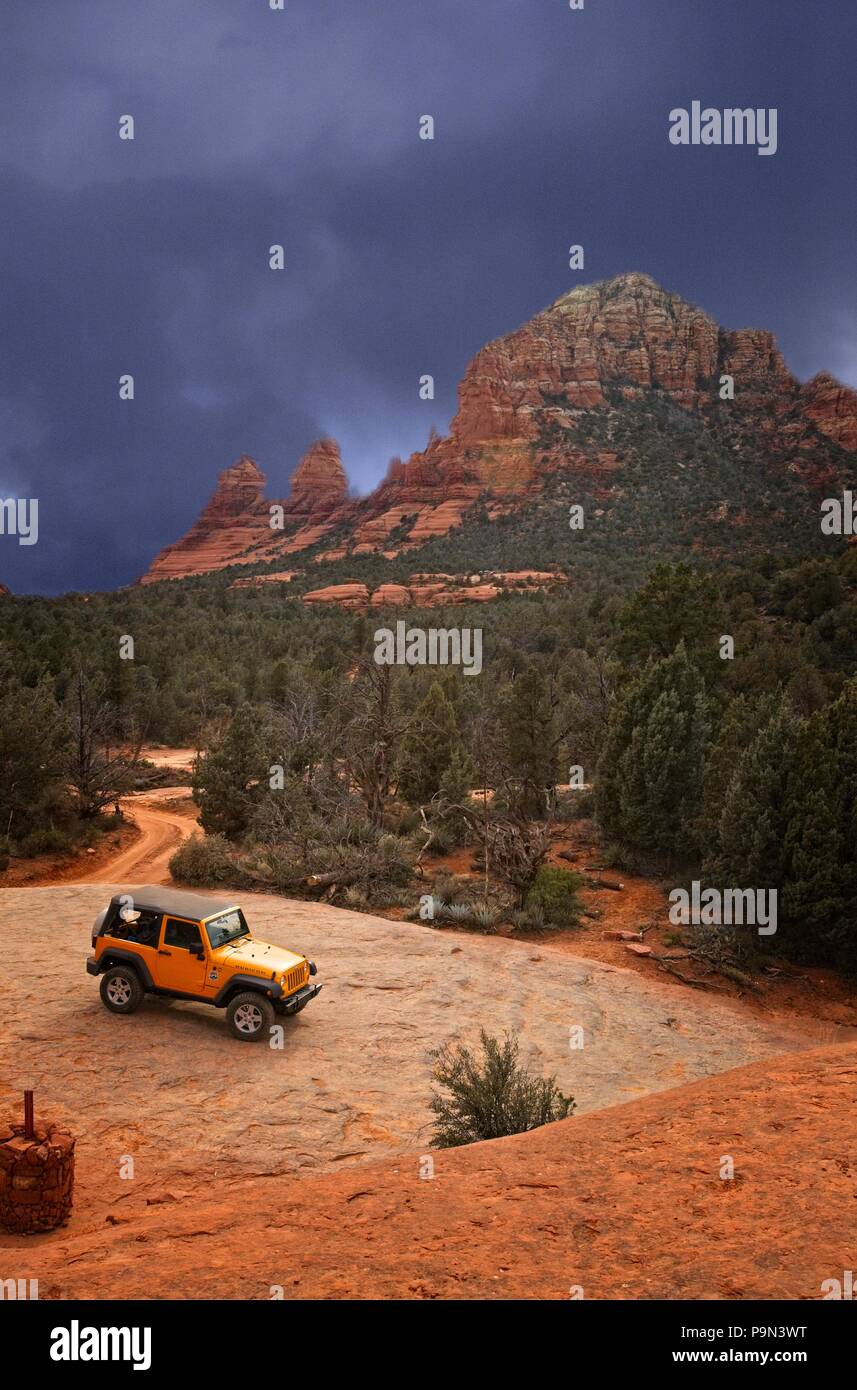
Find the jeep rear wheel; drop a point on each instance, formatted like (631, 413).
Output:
(250, 1016)
(121, 991)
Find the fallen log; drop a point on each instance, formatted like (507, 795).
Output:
(600, 882)
(335, 876)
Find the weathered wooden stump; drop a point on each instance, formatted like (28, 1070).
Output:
(36, 1175)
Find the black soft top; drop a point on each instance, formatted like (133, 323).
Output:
(153, 898)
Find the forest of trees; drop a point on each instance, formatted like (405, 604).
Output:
(319, 768)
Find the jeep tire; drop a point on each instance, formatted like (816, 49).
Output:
(250, 1016)
(121, 991)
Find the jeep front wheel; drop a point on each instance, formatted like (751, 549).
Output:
(121, 991)
(250, 1016)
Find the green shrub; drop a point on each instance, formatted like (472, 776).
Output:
(204, 859)
(491, 1096)
(555, 894)
(446, 888)
(45, 840)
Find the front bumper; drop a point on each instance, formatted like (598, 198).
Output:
(298, 999)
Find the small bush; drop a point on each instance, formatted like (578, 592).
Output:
(204, 859)
(491, 1096)
(443, 840)
(45, 840)
(485, 918)
(447, 888)
(459, 913)
(577, 804)
(554, 894)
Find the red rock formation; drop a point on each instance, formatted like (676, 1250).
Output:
(345, 595)
(833, 407)
(430, 591)
(597, 346)
(239, 524)
(319, 480)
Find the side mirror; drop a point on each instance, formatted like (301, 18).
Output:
(197, 950)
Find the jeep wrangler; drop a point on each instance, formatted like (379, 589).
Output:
(185, 946)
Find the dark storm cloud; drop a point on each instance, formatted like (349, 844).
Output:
(403, 257)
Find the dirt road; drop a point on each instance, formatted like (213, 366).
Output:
(163, 830)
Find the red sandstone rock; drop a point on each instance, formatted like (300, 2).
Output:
(256, 580)
(390, 595)
(833, 407)
(346, 595)
(319, 479)
(624, 336)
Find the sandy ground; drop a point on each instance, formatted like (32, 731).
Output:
(304, 1166)
(625, 1203)
(181, 758)
(171, 1086)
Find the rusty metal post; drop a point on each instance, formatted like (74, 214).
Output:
(29, 1127)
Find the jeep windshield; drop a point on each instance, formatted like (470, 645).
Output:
(228, 927)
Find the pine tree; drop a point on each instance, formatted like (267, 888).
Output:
(528, 742)
(749, 848)
(429, 748)
(649, 778)
(232, 775)
(456, 785)
(814, 889)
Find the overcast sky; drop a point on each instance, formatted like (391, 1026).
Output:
(403, 256)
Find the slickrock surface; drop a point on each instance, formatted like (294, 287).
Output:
(625, 1203)
(172, 1086)
(624, 339)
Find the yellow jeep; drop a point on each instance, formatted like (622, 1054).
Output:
(185, 946)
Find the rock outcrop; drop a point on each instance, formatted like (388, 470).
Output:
(596, 350)
(833, 407)
(432, 590)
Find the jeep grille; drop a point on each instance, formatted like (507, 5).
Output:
(297, 977)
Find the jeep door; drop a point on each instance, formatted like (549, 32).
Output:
(181, 957)
(139, 938)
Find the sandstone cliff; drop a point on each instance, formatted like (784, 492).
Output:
(598, 349)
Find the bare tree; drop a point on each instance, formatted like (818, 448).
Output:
(374, 730)
(105, 752)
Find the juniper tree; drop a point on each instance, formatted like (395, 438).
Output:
(528, 743)
(649, 777)
(232, 775)
(815, 868)
(749, 848)
(431, 746)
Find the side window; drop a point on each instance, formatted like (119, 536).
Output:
(145, 932)
(181, 934)
(142, 928)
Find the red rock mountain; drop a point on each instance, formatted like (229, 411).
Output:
(522, 399)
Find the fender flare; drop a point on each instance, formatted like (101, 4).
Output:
(113, 957)
(237, 984)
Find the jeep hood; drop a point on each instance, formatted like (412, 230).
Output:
(261, 954)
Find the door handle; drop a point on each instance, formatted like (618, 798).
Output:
(164, 953)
